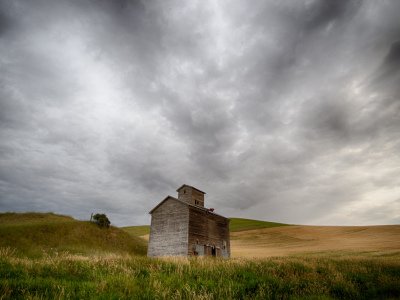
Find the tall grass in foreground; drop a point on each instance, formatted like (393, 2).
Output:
(67, 276)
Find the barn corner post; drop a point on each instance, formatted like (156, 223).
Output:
(183, 226)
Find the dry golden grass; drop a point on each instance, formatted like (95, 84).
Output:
(292, 240)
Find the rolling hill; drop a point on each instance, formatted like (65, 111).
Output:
(239, 224)
(259, 239)
(293, 240)
(34, 234)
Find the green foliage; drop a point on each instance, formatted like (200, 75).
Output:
(102, 220)
(133, 277)
(35, 235)
(238, 224)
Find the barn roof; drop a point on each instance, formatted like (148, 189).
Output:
(185, 203)
(186, 185)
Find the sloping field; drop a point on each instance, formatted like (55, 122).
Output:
(35, 234)
(31, 218)
(291, 240)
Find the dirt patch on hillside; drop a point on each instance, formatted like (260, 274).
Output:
(145, 237)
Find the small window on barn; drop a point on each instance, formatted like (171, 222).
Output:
(184, 191)
(223, 244)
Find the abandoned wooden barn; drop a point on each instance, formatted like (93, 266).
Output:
(184, 227)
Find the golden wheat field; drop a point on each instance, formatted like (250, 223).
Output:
(291, 240)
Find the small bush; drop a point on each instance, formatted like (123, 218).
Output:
(101, 220)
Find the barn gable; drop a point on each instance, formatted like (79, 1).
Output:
(169, 228)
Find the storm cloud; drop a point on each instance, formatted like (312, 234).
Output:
(280, 110)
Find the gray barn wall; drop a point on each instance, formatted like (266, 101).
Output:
(169, 230)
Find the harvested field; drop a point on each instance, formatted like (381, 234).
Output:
(291, 240)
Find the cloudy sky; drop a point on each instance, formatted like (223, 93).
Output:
(285, 111)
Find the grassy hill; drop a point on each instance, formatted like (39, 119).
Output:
(238, 224)
(34, 234)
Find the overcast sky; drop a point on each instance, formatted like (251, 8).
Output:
(284, 111)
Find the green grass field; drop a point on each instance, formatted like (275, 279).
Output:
(69, 276)
(46, 256)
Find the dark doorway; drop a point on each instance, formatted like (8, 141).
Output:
(213, 251)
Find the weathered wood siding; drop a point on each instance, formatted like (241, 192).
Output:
(206, 228)
(185, 194)
(169, 229)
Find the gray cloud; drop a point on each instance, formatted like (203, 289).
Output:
(284, 111)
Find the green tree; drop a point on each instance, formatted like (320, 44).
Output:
(101, 220)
